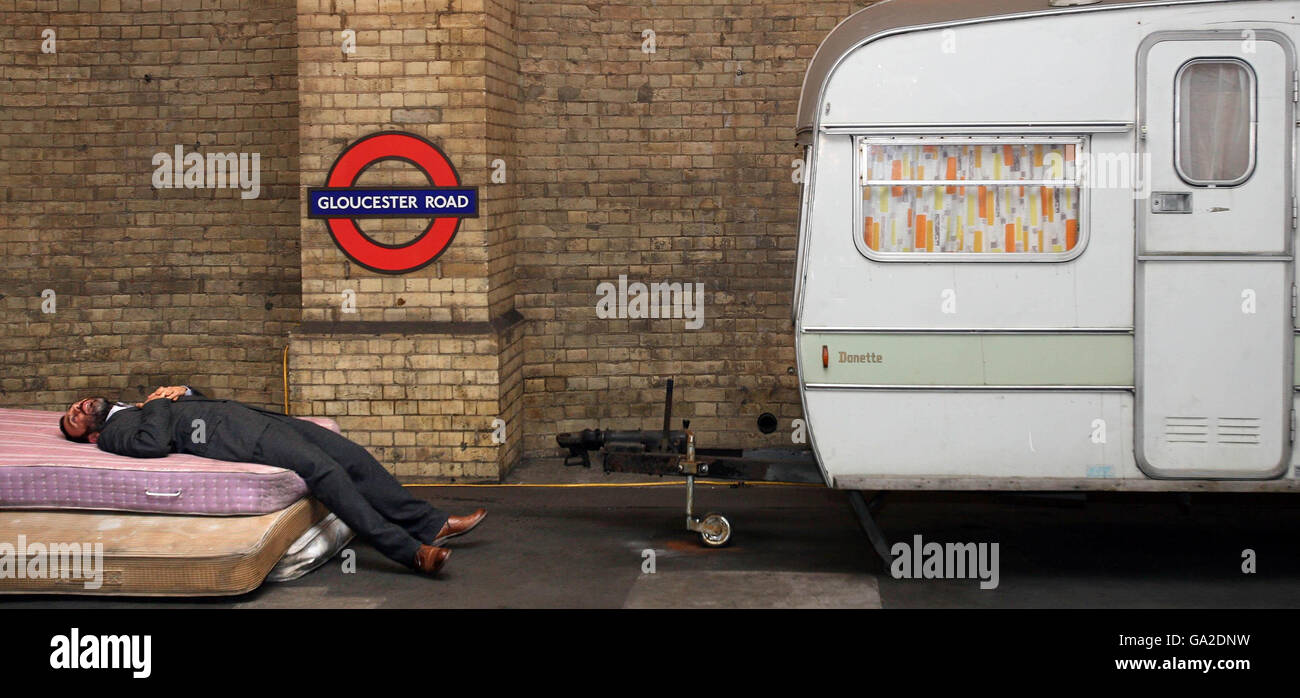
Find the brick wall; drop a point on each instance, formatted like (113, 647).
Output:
(418, 67)
(430, 358)
(154, 286)
(670, 166)
(665, 166)
(423, 404)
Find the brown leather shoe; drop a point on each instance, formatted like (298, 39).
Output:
(459, 526)
(429, 559)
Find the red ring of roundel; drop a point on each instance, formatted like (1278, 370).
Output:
(437, 236)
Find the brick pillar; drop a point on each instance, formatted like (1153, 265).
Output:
(430, 359)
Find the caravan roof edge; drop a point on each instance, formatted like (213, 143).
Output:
(890, 17)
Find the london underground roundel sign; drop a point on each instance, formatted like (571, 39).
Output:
(444, 202)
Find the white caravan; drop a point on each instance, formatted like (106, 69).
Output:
(1049, 245)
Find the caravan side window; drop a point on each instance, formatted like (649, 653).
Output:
(1215, 130)
(952, 199)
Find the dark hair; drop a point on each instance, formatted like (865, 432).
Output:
(84, 439)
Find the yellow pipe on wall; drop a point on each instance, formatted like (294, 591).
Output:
(286, 378)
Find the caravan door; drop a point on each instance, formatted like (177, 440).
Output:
(1214, 299)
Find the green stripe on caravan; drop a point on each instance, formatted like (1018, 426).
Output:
(959, 359)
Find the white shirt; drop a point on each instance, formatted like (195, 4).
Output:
(122, 406)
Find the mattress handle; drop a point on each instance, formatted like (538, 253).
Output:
(177, 493)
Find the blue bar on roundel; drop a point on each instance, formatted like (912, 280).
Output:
(325, 202)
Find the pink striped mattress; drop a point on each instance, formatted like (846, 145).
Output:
(39, 469)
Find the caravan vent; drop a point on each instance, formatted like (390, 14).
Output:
(1228, 431)
(1187, 430)
(1244, 431)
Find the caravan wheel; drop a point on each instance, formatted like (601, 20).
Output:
(715, 530)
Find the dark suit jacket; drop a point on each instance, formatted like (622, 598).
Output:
(230, 429)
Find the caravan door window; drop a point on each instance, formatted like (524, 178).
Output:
(1216, 123)
(1012, 199)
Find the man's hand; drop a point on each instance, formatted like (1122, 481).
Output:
(168, 393)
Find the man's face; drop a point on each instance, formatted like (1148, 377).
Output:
(85, 418)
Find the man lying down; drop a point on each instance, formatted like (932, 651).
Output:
(341, 474)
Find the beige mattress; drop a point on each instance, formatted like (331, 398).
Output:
(147, 554)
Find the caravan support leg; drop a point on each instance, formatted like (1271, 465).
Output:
(714, 529)
(877, 537)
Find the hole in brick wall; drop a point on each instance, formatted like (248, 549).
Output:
(767, 422)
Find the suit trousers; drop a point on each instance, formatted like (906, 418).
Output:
(347, 479)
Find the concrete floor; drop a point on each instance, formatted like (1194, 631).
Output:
(582, 547)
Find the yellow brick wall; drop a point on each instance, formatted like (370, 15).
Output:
(422, 404)
(418, 67)
(152, 285)
(424, 400)
(666, 166)
(671, 166)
